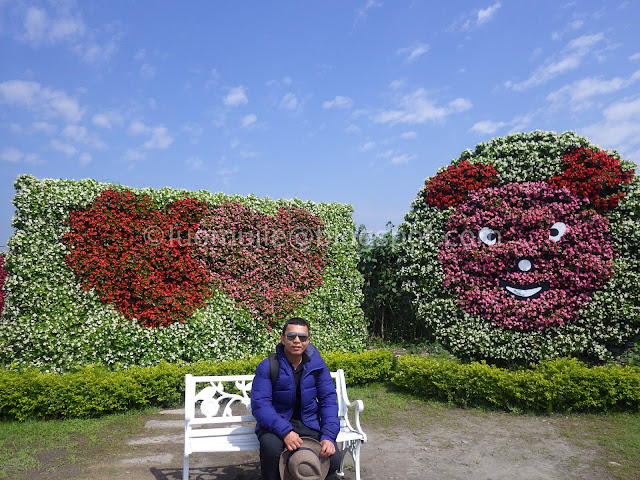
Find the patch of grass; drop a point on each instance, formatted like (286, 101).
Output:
(386, 406)
(618, 436)
(49, 446)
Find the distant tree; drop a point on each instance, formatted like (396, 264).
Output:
(387, 308)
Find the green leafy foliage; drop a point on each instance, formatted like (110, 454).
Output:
(92, 391)
(557, 385)
(368, 366)
(387, 307)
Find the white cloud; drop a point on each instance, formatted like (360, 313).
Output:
(417, 108)
(363, 12)
(619, 127)
(225, 174)
(570, 58)
(237, 96)
(402, 159)
(479, 17)
(486, 14)
(10, 154)
(133, 155)
(147, 71)
(108, 119)
(487, 127)
(585, 88)
(290, 102)
(85, 158)
(65, 148)
(44, 100)
(365, 147)
(249, 120)
(40, 29)
(96, 53)
(194, 131)
(75, 132)
(397, 84)
(338, 102)
(353, 129)
(62, 26)
(36, 127)
(80, 134)
(13, 155)
(409, 135)
(43, 127)
(195, 163)
(159, 137)
(414, 52)
(634, 57)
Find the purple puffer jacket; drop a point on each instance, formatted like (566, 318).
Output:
(273, 408)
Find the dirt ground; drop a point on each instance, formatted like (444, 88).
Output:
(453, 444)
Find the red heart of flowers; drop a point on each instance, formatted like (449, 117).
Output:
(269, 264)
(114, 249)
(158, 265)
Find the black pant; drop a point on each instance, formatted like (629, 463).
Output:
(272, 446)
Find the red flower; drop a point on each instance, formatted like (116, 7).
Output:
(593, 175)
(138, 257)
(451, 187)
(268, 264)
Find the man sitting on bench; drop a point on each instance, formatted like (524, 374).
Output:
(293, 396)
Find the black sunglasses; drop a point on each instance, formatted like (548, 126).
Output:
(291, 336)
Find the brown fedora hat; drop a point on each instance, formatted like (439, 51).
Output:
(305, 463)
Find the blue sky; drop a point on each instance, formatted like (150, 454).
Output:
(334, 100)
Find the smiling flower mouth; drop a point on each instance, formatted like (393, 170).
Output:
(524, 292)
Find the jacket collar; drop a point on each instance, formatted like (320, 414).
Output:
(310, 350)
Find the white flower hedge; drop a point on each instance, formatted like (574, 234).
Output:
(51, 322)
(608, 323)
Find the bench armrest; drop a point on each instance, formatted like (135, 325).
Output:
(359, 406)
(344, 405)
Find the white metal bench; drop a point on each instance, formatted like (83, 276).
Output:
(223, 421)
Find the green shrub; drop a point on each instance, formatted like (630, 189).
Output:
(91, 391)
(362, 368)
(559, 385)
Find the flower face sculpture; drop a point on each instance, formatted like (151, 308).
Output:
(525, 256)
(527, 248)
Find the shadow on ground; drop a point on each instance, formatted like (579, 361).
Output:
(249, 471)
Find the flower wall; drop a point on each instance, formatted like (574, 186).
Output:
(102, 273)
(3, 277)
(527, 248)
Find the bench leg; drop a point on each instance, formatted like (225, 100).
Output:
(185, 468)
(353, 447)
(340, 471)
(355, 453)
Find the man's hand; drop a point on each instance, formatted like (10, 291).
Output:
(328, 448)
(292, 441)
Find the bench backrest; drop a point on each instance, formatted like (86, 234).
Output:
(226, 399)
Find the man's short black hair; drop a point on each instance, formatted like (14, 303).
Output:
(295, 321)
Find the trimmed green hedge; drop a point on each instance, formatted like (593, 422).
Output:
(92, 391)
(559, 385)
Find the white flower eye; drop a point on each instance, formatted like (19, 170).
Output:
(557, 231)
(488, 236)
